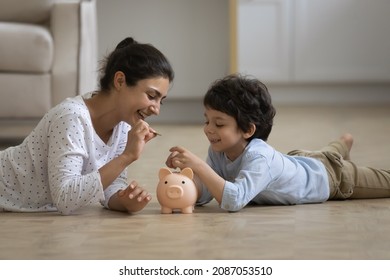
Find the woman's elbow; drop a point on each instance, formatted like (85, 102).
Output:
(65, 212)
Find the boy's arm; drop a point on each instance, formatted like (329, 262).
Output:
(181, 158)
(214, 183)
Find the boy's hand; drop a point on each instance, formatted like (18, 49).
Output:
(181, 158)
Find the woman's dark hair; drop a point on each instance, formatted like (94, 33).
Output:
(246, 99)
(137, 61)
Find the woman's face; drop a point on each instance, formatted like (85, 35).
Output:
(142, 100)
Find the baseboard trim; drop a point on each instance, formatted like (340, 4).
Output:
(330, 95)
(176, 110)
(190, 110)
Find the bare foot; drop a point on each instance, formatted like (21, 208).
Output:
(348, 140)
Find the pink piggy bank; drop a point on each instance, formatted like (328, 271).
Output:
(176, 191)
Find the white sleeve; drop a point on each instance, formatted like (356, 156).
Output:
(68, 151)
(120, 183)
(119, 146)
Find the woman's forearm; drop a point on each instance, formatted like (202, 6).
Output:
(111, 170)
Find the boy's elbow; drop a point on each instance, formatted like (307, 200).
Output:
(232, 207)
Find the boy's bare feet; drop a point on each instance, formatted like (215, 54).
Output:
(348, 140)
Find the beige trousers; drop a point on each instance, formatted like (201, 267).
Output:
(346, 179)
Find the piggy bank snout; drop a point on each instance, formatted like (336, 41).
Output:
(175, 192)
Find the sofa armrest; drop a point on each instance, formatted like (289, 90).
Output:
(88, 65)
(70, 23)
(65, 23)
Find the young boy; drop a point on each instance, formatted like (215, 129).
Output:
(242, 168)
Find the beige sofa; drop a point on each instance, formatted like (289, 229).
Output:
(48, 51)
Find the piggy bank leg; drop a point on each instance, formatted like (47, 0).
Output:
(187, 210)
(166, 210)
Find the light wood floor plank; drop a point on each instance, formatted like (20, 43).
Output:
(358, 229)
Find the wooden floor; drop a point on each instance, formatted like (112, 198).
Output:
(358, 229)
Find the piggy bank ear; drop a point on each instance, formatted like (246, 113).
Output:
(164, 172)
(187, 172)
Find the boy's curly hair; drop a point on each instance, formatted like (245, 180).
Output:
(246, 99)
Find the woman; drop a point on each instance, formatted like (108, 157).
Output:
(79, 151)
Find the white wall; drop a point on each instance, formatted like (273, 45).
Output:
(315, 51)
(193, 34)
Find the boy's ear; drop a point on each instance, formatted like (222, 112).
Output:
(251, 131)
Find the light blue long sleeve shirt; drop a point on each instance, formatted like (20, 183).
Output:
(262, 175)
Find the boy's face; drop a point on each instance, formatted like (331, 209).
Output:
(224, 134)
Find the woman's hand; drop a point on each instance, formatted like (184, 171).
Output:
(137, 137)
(136, 140)
(134, 198)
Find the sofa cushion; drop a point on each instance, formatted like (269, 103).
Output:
(30, 11)
(24, 95)
(25, 48)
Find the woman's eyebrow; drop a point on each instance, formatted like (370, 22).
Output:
(159, 94)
